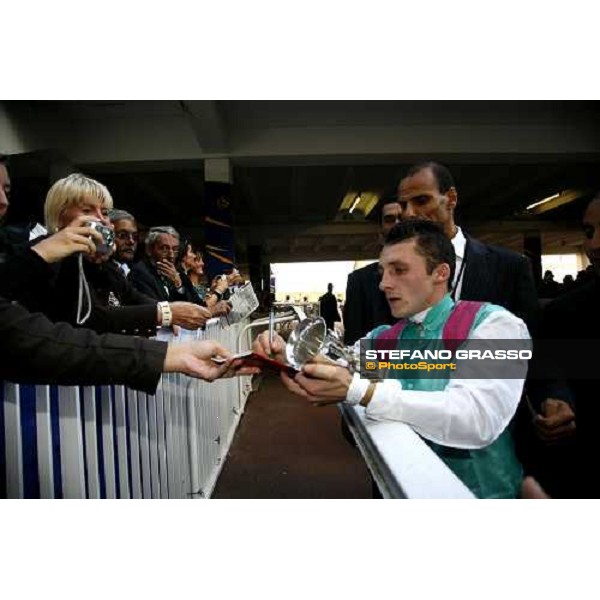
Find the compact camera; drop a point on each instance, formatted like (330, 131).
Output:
(108, 236)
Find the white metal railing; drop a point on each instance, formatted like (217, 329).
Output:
(114, 442)
(401, 463)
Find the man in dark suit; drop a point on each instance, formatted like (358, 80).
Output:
(156, 275)
(366, 307)
(483, 272)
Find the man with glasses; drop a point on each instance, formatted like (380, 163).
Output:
(126, 239)
(366, 306)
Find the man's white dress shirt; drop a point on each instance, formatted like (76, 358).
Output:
(468, 413)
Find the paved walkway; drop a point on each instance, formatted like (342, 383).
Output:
(285, 448)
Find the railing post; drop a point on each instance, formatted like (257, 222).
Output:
(71, 443)
(121, 429)
(44, 441)
(12, 441)
(106, 414)
(91, 441)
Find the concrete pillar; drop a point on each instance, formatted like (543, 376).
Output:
(218, 169)
(218, 217)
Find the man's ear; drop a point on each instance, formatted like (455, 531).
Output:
(452, 198)
(442, 272)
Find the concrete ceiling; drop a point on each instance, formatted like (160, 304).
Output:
(293, 162)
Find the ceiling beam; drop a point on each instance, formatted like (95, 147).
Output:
(519, 226)
(208, 125)
(289, 230)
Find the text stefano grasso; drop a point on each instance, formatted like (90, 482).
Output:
(471, 354)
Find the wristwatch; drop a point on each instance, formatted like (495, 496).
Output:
(167, 314)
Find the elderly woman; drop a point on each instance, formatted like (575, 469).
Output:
(92, 290)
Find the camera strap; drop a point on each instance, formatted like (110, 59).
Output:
(83, 287)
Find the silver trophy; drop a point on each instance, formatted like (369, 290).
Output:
(312, 338)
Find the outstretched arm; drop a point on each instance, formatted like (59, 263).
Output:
(35, 350)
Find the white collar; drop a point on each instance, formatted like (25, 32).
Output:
(420, 316)
(459, 241)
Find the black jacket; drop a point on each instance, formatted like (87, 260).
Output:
(365, 307)
(502, 277)
(145, 278)
(53, 290)
(34, 350)
(491, 274)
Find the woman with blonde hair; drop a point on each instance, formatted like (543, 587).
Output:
(92, 290)
(75, 196)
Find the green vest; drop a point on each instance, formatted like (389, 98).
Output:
(490, 472)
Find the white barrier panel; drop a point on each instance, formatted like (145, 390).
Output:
(113, 442)
(401, 463)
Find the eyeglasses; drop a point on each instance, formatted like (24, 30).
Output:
(125, 235)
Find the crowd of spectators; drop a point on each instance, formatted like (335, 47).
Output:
(37, 276)
(114, 288)
(549, 288)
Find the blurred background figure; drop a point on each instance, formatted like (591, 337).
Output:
(191, 263)
(4, 188)
(329, 307)
(549, 288)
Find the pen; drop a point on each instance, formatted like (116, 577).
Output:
(271, 329)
